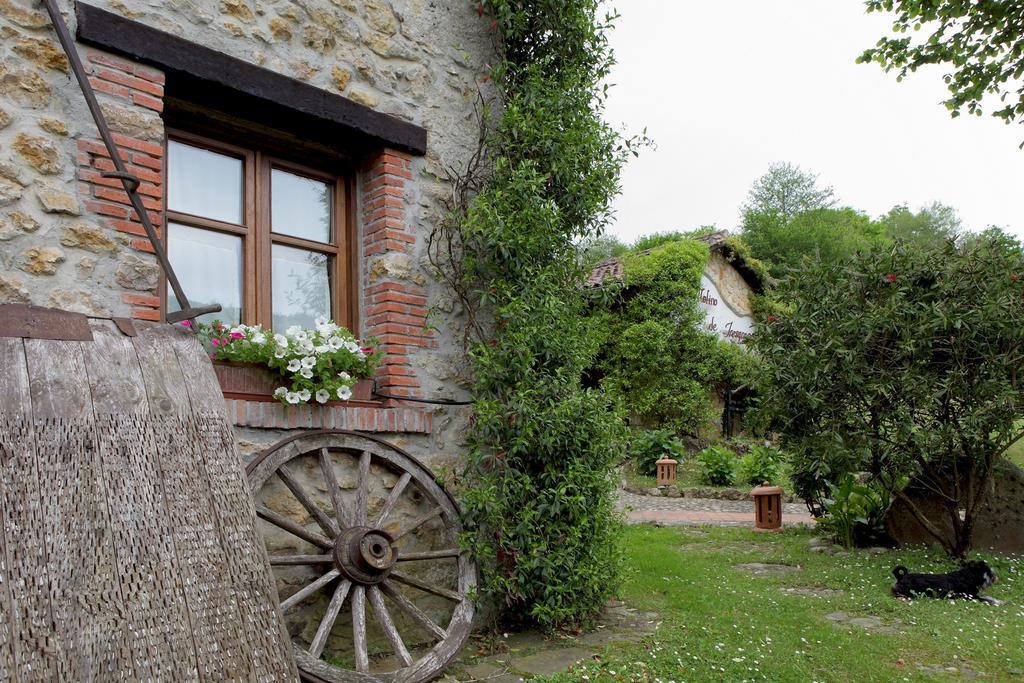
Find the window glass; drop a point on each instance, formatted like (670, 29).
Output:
(300, 206)
(209, 267)
(301, 286)
(204, 183)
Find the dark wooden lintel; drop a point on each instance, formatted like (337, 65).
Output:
(235, 80)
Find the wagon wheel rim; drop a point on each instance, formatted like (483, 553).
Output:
(357, 560)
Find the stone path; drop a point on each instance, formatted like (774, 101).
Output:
(700, 511)
(515, 657)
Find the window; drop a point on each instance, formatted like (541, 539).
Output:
(265, 238)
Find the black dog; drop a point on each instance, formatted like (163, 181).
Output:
(966, 582)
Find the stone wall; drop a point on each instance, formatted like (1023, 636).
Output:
(69, 240)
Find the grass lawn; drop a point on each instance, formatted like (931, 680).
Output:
(723, 624)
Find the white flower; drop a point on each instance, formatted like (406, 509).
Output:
(280, 353)
(320, 320)
(294, 365)
(309, 362)
(352, 346)
(306, 345)
(291, 397)
(240, 329)
(294, 331)
(306, 372)
(326, 328)
(280, 340)
(344, 376)
(344, 392)
(322, 395)
(259, 338)
(335, 343)
(304, 394)
(279, 392)
(322, 348)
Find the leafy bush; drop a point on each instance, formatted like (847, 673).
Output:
(855, 513)
(647, 446)
(759, 465)
(717, 466)
(321, 364)
(903, 361)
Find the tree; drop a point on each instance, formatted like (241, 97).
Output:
(830, 235)
(905, 361)
(593, 250)
(786, 190)
(929, 226)
(981, 44)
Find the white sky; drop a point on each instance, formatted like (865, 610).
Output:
(726, 88)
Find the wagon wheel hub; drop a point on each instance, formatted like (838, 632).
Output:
(364, 555)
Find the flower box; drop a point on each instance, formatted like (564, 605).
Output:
(254, 382)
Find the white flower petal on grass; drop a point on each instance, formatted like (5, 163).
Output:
(304, 394)
(291, 397)
(322, 395)
(344, 392)
(294, 365)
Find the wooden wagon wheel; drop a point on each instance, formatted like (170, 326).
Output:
(351, 520)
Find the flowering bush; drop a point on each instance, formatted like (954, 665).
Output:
(321, 364)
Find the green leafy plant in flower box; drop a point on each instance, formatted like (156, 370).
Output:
(321, 364)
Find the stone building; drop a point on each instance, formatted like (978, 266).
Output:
(282, 144)
(726, 285)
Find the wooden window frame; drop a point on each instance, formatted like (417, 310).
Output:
(258, 238)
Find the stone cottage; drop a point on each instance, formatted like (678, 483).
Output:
(291, 153)
(292, 156)
(726, 286)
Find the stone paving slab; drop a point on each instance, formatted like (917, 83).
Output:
(701, 511)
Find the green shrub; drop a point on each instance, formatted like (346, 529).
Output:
(761, 464)
(717, 466)
(647, 446)
(855, 513)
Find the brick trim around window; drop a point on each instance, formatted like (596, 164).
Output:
(395, 308)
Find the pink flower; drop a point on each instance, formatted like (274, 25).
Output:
(237, 335)
(186, 323)
(891, 277)
(368, 349)
(215, 342)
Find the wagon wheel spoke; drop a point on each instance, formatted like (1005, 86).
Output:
(428, 555)
(363, 492)
(412, 611)
(417, 523)
(426, 588)
(384, 619)
(308, 590)
(359, 628)
(325, 522)
(396, 492)
(294, 528)
(293, 560)
(330, 616)
(332, 484)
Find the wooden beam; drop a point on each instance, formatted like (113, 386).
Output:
(245, 83)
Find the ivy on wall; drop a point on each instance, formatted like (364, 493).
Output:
(537, 491)
(653, 355)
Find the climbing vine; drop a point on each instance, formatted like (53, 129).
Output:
(653, 355)
(537, 490)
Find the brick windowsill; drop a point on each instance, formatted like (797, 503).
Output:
(247, 393)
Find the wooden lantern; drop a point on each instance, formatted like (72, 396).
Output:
(666, 471)
(767, 507)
